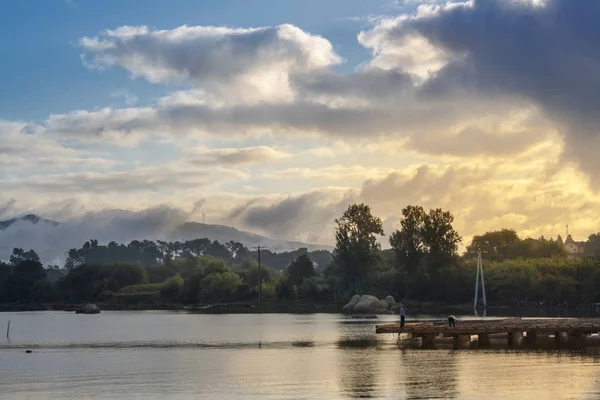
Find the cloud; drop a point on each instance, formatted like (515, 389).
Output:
(256, 60)
(329, 173)
(279, 81)
(234, 156)
(52, 242)
(542, 51)
(128, 97)
(25, 148)
(472, 106)
(310, 213)
(161, 178)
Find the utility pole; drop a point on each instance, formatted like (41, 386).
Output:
(258, 249)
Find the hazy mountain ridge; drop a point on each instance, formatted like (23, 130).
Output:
(32, 218)
(52, 239)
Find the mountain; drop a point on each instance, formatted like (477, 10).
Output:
(223, 234)
(52, 239)
(31, 218)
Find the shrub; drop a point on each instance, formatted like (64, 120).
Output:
(220, 285)
(171, 289)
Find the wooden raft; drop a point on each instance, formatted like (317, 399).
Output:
(570, 326)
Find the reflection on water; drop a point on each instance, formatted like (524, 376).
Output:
(155, 355)
(430, 374)
(357, 373)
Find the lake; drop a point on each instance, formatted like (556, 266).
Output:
(166, 355)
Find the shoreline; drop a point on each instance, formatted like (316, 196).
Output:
(413, 308)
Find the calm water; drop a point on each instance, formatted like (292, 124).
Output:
(156, 355)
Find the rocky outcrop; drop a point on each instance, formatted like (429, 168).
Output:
(367, 304)
(88, 309)
(348, 307)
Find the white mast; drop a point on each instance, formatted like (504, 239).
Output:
(479, 268)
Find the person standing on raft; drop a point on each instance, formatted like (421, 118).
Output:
(402, 316)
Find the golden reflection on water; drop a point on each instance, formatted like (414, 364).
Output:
(300, 357)
(467, 374)
(379, 371)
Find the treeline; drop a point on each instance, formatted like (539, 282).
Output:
(189, 280)
(422, 264)
(505, 244)
(147, 253)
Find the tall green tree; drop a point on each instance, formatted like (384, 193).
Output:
(439, 235)
(495, 245)
(357, 248)
(301, 268)
(408, 242)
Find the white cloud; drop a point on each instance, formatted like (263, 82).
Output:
(235, 156)
(128, 97)
(257, 61)
(25, 148)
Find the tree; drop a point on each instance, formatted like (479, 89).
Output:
(5, 271)
(407, 242)
(252, 276)
(20, 282)
(159, 273)
(171, 289)
(43, 291)
(592, 246)
(218, 250)
(356, 245)
(495, 245)
(215, 266)
(127, 275)
(196, 247)
(220, 285)
(237, 250)
(19, 255)
(302, 267)
(439, 236)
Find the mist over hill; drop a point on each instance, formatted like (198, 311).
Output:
(52, 239)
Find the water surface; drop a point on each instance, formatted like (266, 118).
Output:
(162, 355)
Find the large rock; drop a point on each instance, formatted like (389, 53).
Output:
(391, 301)
(368, 304)
(88, 309)
(385, 304)
(348, 307)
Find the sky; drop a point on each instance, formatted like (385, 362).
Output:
(273, 116)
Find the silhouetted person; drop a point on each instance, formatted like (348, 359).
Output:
(402, 316)
(451, 321)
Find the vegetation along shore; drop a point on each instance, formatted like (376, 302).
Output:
(422, 267)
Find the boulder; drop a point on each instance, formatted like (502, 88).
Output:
(348, 307)
(385, 304)
(368, 305)
(391, 301)
(88, 309)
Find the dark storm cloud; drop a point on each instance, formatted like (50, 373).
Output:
(547, 53)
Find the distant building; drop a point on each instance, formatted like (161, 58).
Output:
(574, 248)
